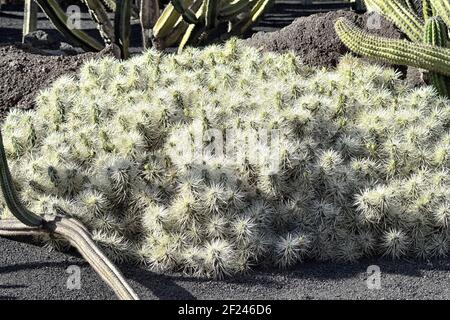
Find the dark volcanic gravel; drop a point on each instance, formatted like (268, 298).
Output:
(314, 39)
(24, 71)
(30, 272)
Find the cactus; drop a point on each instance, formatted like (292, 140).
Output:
(182, 22)
(436, 34)
(223, 158)
(428, 47)
(117, 33)
(30, 223)
(196, 21)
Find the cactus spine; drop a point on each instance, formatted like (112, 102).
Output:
(436, 35)
(222, 158)
(429, 46)
(30, 223)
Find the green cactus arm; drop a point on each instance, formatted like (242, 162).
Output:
(98, 13)
(122, 26)
(186, 37)
(194, 30)
(211, 13)
(399, 13)
(174, 37)
(9, 193)
(171, 27)
(427, 9)
(58, 17)
(255, 13)
(148, 15)
(410, 5)
(166, 22)
(110, 4)
(233, 8)
(436, 34)
(394, 51)
(442, 9)
(187, 14)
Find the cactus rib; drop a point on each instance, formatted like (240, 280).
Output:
(394, 51)
(54, 12)
(436, 35)
(149, 14)
(100, 16)
(9, 193)
(398, 13)
(122, 26)
(187, 14)
(427, 9)
(442, 9)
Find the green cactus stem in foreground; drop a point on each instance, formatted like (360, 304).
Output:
(401, 52)
(436, 35)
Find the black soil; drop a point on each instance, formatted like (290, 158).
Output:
(30, 272)
(24, 71)
(314, 39)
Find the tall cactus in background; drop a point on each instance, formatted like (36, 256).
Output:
(112, 33)
(182, 21)
(195, 21)
(427, 26)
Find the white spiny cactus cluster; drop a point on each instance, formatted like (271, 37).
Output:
(132, 150)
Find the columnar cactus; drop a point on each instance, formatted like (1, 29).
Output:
(217, 160)
(182, 22)
(194, 21)
(117, 32)
(428, 47)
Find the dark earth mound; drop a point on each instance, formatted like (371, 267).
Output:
(24, 71)
(314, 39)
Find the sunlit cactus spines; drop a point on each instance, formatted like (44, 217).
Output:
(218, 160)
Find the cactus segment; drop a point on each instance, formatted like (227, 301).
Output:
(149, 14)
(212, 8)
(399, 14)
(58, 17)
(394, 51)
(15, 206)
(181, 6)
(427, 9)
(442, 9)
(436, 35)
(235, 16)
(122, 26)
(100, 16)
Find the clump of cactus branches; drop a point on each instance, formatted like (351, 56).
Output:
(427, 26)
(182, 22)
(198, 21)
(220, 159)
(113, 32)
(29, 223)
